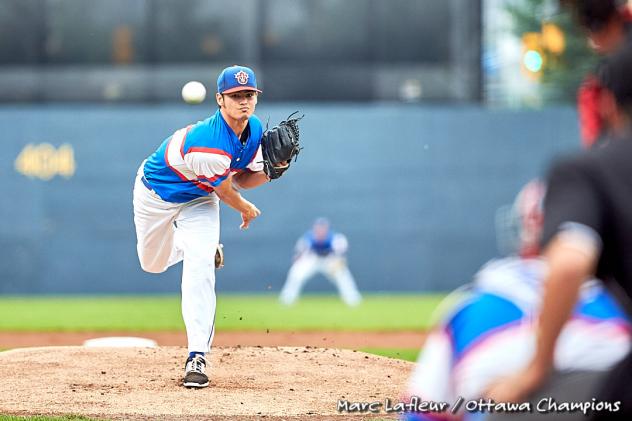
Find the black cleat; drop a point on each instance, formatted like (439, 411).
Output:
(194, 372)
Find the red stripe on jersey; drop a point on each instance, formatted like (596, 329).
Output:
(204, 186)
(210, 150)
(215, 177)
(184, 141)
(197, 183)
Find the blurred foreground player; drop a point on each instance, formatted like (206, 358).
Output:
(486, 329)
(588, 231)
(320, 250)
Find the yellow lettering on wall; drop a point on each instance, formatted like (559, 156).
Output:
(66, 161)
(44, 161)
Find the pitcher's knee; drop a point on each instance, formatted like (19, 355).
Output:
(151, 267)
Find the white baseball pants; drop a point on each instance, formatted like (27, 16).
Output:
(333, 267)
(168, 233)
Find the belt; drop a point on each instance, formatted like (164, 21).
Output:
(146, 183)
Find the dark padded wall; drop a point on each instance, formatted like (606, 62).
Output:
(414, 188)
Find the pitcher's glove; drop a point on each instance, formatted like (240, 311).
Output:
(279, 145)
(219, 256)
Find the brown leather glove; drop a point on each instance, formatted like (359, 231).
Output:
(219, 256)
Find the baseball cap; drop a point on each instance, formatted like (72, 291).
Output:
(615, 75)
(321, 221)
(236, 78)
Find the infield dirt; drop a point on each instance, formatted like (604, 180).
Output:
(353, 340)
(246, 383)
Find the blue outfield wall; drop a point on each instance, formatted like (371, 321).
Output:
(415, 189)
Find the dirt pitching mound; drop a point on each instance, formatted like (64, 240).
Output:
(246, 383)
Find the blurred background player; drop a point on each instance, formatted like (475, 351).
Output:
(320, 250)
(486, 328)
(608, 25)
(587, 232)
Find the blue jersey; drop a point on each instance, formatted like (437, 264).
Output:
(195, 159)
(320, 247)
(472, 324)
(507, 293)
(333, 243)
(488, 331)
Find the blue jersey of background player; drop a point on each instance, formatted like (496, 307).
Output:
(320, 250)
(322, 240)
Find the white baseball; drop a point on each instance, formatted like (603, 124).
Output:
(193, 92)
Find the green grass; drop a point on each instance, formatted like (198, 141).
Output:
(234, 312)
(406, 354)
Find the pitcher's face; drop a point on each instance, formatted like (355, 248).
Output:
(238, 105)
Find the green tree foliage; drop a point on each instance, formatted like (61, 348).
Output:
(561, 73)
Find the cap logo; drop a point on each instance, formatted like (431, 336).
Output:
(242, 77)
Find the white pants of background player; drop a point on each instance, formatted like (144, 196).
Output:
(193, 239)
(332, 266)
